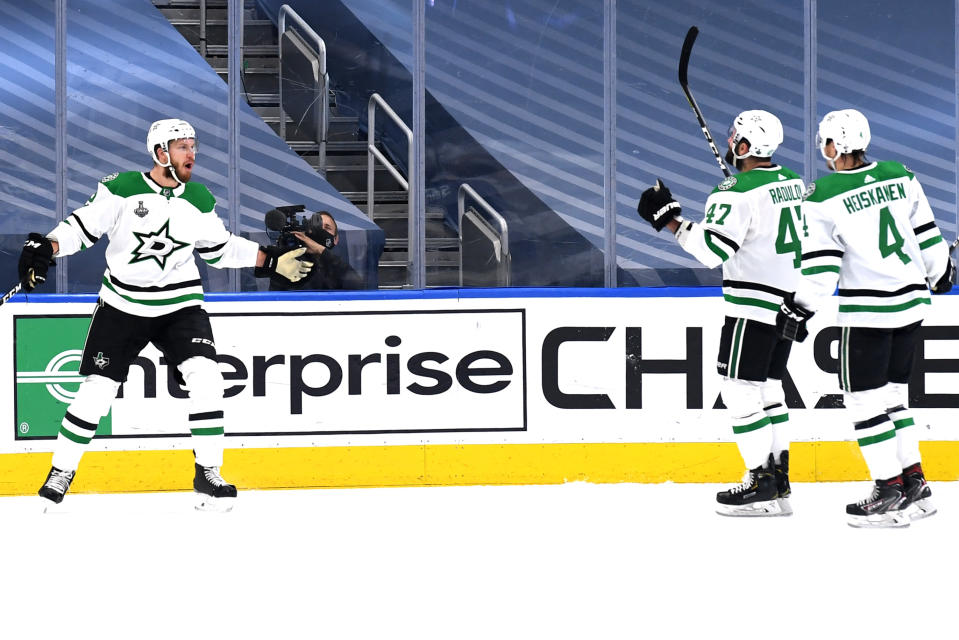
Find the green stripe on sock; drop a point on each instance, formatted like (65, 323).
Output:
(905, 422)
(879, 437)
(746, 428)
(69, 435)
(779, 419)
(207, 431)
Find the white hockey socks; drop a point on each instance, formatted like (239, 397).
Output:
(79, 424)
(907, 436)
(774, 406)
(877, 441)
(204, 383)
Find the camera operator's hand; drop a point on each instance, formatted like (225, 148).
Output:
(311, 245)
(284, 263)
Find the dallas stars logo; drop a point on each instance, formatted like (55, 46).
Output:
(157, 245)
(100, 360)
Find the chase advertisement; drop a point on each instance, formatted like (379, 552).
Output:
(451, 371)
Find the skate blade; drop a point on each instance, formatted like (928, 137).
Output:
(764, 509)
(921, 509)
(890, 520)
(49, 506)
(215, 505)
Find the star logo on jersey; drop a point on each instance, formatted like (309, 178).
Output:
(157, 245)
(101, 361)
(869, 179)
(141, 211)
(782, 177)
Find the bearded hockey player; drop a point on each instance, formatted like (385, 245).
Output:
(752, 228)
(151, 292)
(871, 230)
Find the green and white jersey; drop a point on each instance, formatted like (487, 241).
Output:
(152, 233)
(752, 227)
(872, 230)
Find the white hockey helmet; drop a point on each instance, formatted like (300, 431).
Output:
(162, 132)
(761, 129)
(849, 131)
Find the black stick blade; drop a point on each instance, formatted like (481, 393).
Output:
(684, 56)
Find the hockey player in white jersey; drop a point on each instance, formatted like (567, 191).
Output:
(151, 292)
(872, 230)
(752, 228)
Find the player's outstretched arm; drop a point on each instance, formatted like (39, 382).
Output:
(270, 260)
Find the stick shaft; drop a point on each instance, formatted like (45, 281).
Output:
(684, 83)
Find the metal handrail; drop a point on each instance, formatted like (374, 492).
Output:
(466, 190)
(321, 131)
(372, 152)
(203, 28)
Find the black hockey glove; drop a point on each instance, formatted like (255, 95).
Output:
(657, 206)
(284, 263)
(35, 258)
(791, 320)
(944, 284)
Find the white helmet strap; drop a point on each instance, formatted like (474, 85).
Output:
(165, 147)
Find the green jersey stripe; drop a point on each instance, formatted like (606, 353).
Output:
(715, 248)
(810, 271)
(879, 308)
(751, 302)
(925, 244)
(154, 303)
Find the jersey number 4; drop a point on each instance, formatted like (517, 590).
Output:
(887, 230)
(787, 240)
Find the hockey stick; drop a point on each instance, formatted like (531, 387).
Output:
(684, 83)
(11, 293)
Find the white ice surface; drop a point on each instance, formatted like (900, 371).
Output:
(570, 561)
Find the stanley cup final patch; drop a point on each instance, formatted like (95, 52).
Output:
(727, 184)
(141, 211)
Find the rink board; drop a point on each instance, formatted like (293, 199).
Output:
(450, 387)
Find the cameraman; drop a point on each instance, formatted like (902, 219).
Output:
(329, 270)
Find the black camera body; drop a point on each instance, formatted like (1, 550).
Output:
(282, 222)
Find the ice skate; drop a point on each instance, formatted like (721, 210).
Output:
(883, 507)
(756, 496)
(918, 494)
(782, 483)
(56, 485)
(216, 494)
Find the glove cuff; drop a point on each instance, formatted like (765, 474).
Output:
(269, 263)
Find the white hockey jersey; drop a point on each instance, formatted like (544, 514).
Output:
(752, 227)
(872, 230)
(152, 233)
